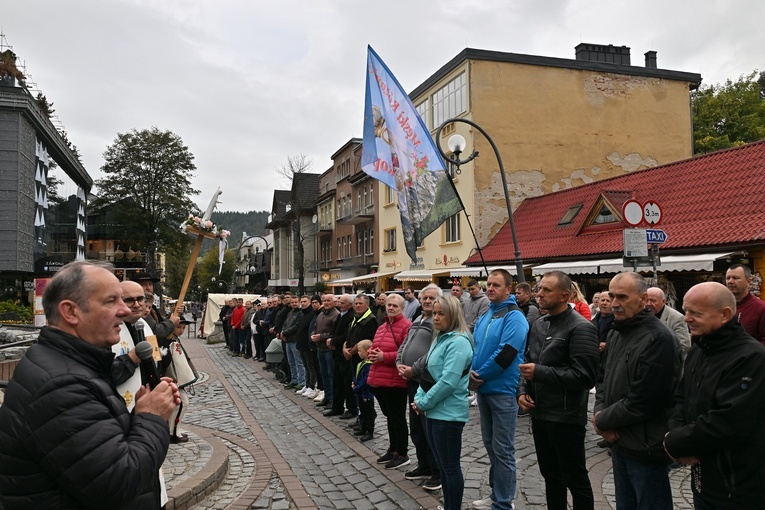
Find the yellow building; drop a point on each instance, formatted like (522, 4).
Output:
(557, 123)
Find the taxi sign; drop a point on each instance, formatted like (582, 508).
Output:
(655, 236)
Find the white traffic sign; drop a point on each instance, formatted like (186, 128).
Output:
(632, 212)
(655, 236)
(652, 212)
(634, 242)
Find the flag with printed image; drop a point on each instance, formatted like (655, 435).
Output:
(399, 151)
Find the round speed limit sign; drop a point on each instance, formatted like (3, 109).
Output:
(651, 213)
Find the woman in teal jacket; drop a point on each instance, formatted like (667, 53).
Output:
(442, 397)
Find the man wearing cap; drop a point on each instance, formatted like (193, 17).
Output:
(161, 327)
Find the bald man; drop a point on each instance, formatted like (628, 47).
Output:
(671, 318)
(718, 423)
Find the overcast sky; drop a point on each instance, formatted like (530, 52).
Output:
(248, 83)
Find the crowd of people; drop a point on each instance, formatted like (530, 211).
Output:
(671, 388)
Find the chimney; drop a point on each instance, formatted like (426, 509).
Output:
(603, 53)
(650, 59)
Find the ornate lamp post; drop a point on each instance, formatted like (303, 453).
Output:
(457, 144)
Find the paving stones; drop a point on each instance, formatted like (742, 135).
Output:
(323, 463)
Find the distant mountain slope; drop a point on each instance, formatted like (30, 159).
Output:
(253, 222)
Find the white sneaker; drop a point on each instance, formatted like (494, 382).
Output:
(482, 504)
(301, 390)
(319, 397)
(311, 393)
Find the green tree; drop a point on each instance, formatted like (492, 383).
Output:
(729, 115)
(207, 269)
(153, 169)
(176, 262)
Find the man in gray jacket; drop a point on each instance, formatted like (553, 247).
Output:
(411, 360)
(475, 305)
(671, 318)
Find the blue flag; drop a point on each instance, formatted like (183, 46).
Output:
(399, 151)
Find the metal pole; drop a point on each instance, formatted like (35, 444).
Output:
(518, 260)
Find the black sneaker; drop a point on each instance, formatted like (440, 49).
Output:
(385, 458)
(419, 473)
(397, 461)
(432, 484)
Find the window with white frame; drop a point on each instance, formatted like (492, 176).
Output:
(424, 110)
(371, 195)
(390, 239)
(390, 195)
(339, 248)
(450, 100)
(371, 250)
(452, 229)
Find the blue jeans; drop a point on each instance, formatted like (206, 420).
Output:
(640, 485)
(446, 440)
(499, 414)
(326, 369)
(297, 370)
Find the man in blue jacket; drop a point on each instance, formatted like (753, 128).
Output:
(500, 340)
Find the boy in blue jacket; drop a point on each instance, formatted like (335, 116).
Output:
(364, 395)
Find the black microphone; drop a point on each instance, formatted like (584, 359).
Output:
(149, 374)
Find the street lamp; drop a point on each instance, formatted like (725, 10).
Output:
(221, 284)
(457, 144)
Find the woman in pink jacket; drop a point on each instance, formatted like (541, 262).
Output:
(387, 385)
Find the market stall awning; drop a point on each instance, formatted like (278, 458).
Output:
(580, 266)
(479, 271)
(420, 275)
(363, 278)
(695, 262)
(374, 276)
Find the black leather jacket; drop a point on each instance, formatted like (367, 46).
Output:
(67, 439)
(565, 350)
(719, 417)
(635, 394)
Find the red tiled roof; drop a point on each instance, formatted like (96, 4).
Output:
(713, 200)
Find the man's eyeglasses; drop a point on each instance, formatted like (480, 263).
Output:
(130, 301)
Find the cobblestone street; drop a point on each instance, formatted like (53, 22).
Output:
(255, 445)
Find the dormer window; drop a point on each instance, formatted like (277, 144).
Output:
(605, 215)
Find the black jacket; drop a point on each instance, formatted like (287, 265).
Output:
(565, 350)
(290, 328)
(361, 328)
(635, 394)
(66, 437)
(719, 417)
(302, 337)
(340, 331)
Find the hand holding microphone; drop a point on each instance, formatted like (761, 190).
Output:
(145, 352)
